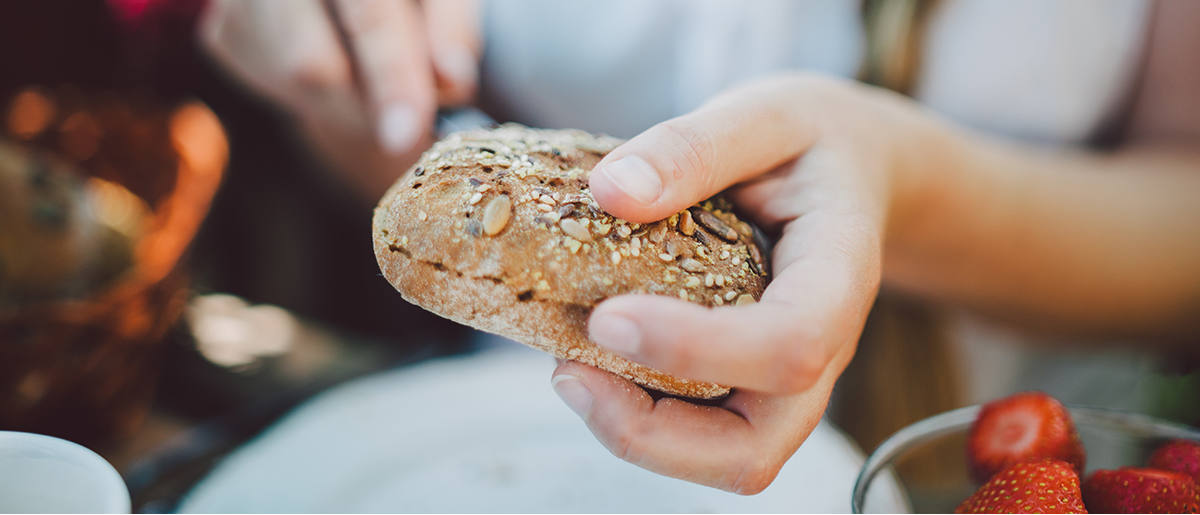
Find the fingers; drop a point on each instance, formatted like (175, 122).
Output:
(738, 447)
(828, 272)
(291, 55)
(687, 159)
(389, 47)
(454, 43)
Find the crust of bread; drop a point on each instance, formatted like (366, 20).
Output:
(531, 281)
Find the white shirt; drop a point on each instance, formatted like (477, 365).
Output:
(1051, 71)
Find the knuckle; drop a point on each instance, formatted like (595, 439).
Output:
(316, 70)
(359, 16)
(626, 444)
(799, 367)
(754, 476)
(692, 148)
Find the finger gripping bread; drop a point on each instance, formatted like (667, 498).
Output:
(496, 229)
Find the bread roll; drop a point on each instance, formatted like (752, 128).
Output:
(496, 229)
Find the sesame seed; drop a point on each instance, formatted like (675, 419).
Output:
(691, 282)
(572, 244)
(615, 257)
(544, 208)
(730, 295)
(717, 300)
(475, 198)
(422, 216)
(708, 280)
(724, 255)
(666, 257)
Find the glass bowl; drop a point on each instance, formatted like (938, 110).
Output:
(928, 458)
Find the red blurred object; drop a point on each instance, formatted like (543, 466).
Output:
(1178, 456)
(1140, 490)
(1021, 427)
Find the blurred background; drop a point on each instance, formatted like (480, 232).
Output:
(178, 270)
(175, 270)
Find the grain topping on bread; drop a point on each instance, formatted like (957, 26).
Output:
(497, 229)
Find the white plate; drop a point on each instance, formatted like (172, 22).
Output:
(483, 433)
(43, 474)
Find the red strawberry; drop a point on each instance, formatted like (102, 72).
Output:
(1179, 456)
(1019, 428)
(1138, 490)
(1040, 486)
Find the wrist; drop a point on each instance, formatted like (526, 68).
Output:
(924, 184)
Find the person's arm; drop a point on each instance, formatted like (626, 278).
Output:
(865, 185)
(1074, 240)
(1069, 240)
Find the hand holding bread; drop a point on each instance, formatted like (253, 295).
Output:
(541, 235)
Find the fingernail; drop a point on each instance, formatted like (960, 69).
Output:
(615, 333)
(457, 63)
(398, 128)
(573, 393)
(634, 176)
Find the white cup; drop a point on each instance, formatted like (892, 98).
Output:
(43, 474)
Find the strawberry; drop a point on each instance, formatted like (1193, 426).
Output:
(1141, 490)
(1038, 486)
(1019, 428)
(1179, 456)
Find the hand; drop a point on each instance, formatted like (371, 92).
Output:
(816, 157)
(363, 77)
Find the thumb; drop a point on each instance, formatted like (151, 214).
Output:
(687, 159)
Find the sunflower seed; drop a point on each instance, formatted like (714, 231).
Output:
(496, 215)
(756, 259)
(687, 226)
(714, 225)
(691, 265)
(575, 229)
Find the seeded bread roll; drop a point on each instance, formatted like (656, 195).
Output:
(496, 229)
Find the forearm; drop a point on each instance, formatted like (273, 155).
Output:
(1078, 241)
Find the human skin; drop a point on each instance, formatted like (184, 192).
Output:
(362, 78)
(867, 189)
